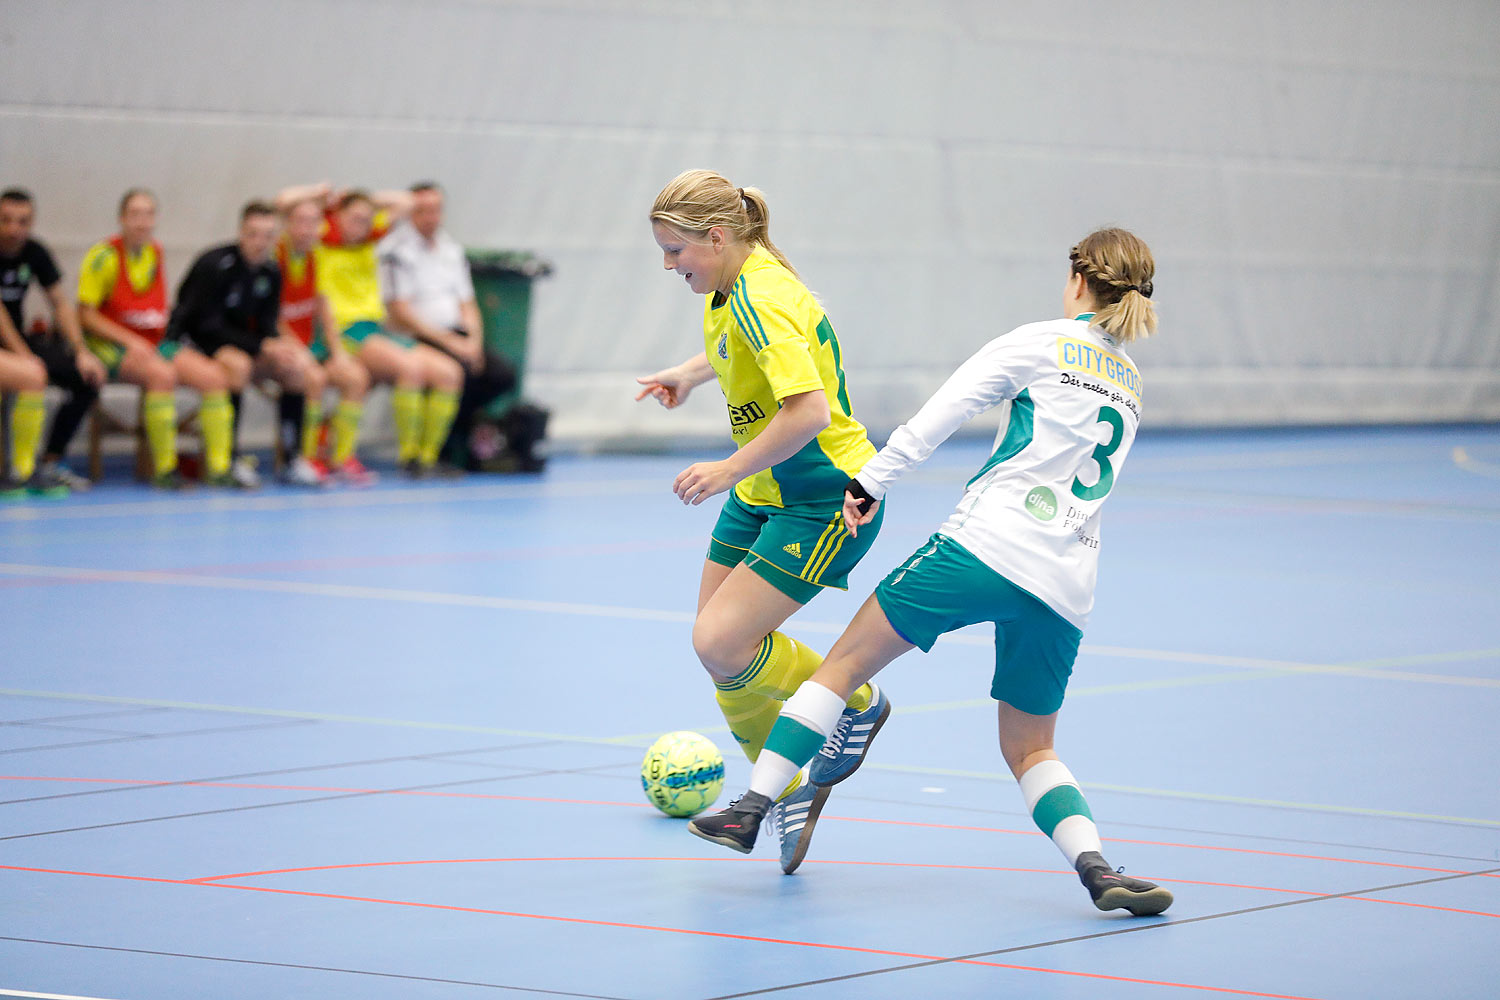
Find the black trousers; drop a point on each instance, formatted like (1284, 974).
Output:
(495, 379)
(62, 371)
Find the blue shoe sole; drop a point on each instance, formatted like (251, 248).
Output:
(825, 772)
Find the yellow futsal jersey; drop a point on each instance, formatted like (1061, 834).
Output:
(101, 267)
(769, 340)
(348, 274)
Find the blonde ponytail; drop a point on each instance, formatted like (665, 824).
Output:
(1118, 268)
(696, 201)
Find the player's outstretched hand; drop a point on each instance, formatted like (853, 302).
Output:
(859, 507)
(667, 386)
(702, 480)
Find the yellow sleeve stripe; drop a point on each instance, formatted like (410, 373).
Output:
(745, 314)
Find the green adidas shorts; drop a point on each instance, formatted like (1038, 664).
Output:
(799, 551)
(356, 333)
(944, 586)
(113, 355)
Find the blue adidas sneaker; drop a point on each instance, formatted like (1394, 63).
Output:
(850, 740)
(794, 818)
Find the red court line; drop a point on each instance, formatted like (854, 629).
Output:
(723, 935)
(211, 879)
(643, 805)
(335, 788)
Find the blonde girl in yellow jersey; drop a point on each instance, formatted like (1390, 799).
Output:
(781, 537)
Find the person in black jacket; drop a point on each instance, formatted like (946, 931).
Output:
(58, 345)
(227, 307)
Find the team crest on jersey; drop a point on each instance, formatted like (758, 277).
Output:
(723, 348)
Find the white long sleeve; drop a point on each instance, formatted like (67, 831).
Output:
(989, 377)
(1032, 511)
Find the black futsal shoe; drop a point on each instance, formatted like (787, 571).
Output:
(1113, 891)
(735, 827)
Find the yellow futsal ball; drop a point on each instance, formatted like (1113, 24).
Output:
(682, 774)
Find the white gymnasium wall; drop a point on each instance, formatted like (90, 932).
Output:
(1320, 181)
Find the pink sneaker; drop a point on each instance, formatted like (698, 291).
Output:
(353, 473)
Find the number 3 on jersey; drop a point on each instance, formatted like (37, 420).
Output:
(1107, 415)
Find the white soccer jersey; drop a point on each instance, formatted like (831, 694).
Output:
(1032, 512)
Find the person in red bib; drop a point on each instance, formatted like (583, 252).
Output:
(122, 306)
(306, 321)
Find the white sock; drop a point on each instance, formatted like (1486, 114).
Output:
(1057, 806)
(806, 719)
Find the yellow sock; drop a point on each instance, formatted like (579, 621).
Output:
(216, 417)
(784, 664)
(312, 419)
(345, 430)
(750, 718)
(26, 433)
(406, 407)
(441, 406)
(752, 700)
(161, 430)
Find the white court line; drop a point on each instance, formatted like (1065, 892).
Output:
(202, 504)
(1406, 661)
(171, 579)
(47, 996)
(1237, 800)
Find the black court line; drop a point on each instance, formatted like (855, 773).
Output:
(55, 726)
(1025, 818)
(1136, 928)
(300, 769)
(278, 724)
(86, 715)
(310, 968)
(308, 801)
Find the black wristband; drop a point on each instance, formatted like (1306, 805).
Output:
(857, 490)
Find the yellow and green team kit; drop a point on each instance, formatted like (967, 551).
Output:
(348, 277)
(768, 340)
(97, 279)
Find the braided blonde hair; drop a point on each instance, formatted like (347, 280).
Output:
(1118, 267)
(695, 201)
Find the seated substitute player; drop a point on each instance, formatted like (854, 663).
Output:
(70, 364)
(227, 307)
(25, 376)
(122, 304)
(306, 320)
(1021, 550)
(430, 294)
(349, 277)
(780, 538)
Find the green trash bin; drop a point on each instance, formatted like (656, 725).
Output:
(502, 289)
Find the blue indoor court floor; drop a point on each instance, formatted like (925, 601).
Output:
(385, 744)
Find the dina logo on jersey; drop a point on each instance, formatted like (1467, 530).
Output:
(739, 416)
(1042, 503)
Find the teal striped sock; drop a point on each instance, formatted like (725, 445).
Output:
(1058, 808)
(806, 719)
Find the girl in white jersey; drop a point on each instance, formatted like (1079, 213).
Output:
(1021, 550)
